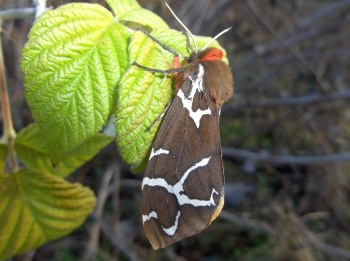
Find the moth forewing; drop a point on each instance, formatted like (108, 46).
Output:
(183, 186)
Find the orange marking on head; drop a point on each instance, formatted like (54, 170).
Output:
(210, 54)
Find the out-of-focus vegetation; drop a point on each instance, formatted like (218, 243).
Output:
(286, 139)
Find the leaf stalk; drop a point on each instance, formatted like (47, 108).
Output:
(9, 131)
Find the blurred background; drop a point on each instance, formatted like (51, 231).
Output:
(285, 137)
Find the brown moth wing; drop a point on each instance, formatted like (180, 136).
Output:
(183, 186)
(222, 77)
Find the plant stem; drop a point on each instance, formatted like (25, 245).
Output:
(9, 131)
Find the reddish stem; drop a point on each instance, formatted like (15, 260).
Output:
(9, 131)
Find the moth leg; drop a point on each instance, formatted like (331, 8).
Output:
(160, 116)
(170, 71)
(165, 47)
(175, 67)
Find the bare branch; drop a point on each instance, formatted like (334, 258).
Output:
(92, 246)
(284, 159)
(115, 238)
(117, 241)
(287, 102)
(247, 223)
(296, 54)
(266, 229)
(17, 13)
(333, 250)
(328, 11)
(40, 7)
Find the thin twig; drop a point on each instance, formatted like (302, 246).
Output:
(266, 229)
(323, 14)
(286, 102)
(265, 157)
(40, 6)
(316, 32)
(115, 238)
(297, 34)
(117, 241)
(22, 13)
(115, 194)
(297, 55)
(9, 131)
(19, 13)
(333, 250)
(126, 183)
(92, 246)
(247, 223)
(116, 184)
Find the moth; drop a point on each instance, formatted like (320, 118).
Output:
(183, 185)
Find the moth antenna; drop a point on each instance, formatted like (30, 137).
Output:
(216, 37)
(184, 26)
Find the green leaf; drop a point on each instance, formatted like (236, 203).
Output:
(36, 208)
(132, 15)
(3, 155)
(72, 63)
(120, 7)
(83, 153)
(34, 154)
(143, 17)
(142, 97)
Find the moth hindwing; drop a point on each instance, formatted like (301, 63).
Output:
(183, 185)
